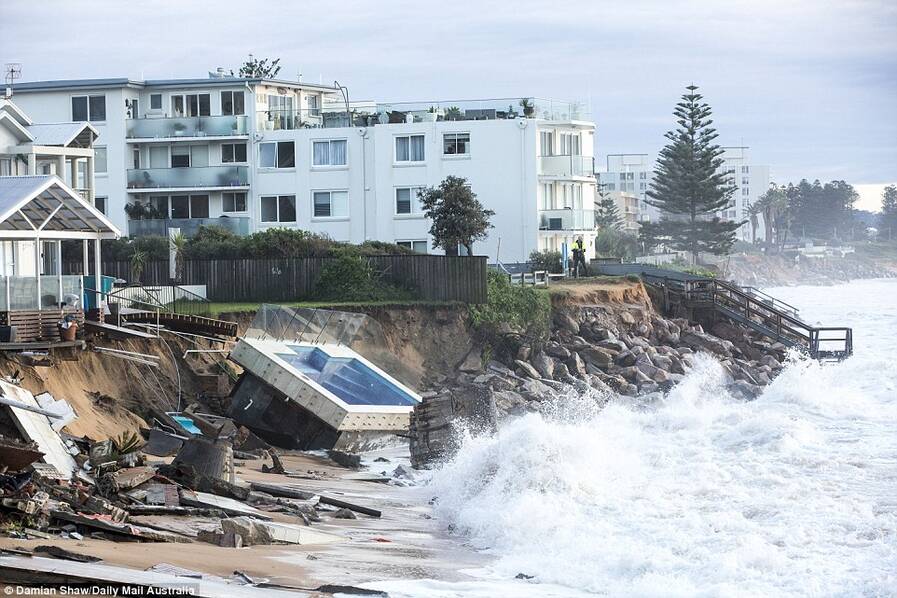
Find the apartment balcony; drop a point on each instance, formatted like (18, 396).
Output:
(204, 177)
(188, 127)
(566, 219)
(567, 166)
(188, 226)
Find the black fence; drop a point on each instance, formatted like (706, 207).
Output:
(430, 277)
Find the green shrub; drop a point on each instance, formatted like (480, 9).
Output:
(613, 243)
(215, 242)
(352, 278)
(546, 260)
(522, 307)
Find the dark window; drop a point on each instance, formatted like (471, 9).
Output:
(180, 206)
(456, 144)
(232, 102)
(199, 206)
(287, 208)
(286, 154)
(269, 209)
(79, 108)
(180, 160)
(155, 101)
(97, 108)
(233, 202)
(233, 152)
(322, 204)
(100, 204)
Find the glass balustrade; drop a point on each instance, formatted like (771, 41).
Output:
(567, 166)
(196, 177)
(188, 226)
(187, 126)
(566, 219)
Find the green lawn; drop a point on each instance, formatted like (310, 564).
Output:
(220, 308)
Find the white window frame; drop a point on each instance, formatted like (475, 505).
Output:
(105, 200)
(276, 156)
(96, 170)
(87, 97)
(416, 210)
(455, 134)
(277, 199)
(232, 94)
(409, 162)
(234, 153)
(161, 102)
(409, 243)
(329, 165)
(330, 218)
(234, 195)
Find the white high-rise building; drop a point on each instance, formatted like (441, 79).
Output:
(250, 154)
(633, 173)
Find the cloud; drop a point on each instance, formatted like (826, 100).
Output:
(808, 84)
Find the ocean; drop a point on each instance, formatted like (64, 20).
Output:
(696, 493)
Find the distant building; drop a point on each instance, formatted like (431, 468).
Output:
(251, 154)
(633, 173)
(628, 206)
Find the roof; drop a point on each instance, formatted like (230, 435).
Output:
(32, 206)
(14, 126)
(112, 83)
(61, 134)
(14, 111)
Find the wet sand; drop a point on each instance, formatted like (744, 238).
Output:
(404, 543)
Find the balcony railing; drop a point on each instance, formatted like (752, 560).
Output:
(22, 292)
(188, 126)
(416, 112)
(567, 166)
(189, 226)
(566, 219)
(196, 177)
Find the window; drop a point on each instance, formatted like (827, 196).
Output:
(158, 156)
(180, 206)
(745, 191)
(407, 201)
(642, 186)
(232, 102)
(454, 144)
(135, 157)
(199, 206)
(570, 144)
(611, 186)
(99, 159)
(197, 104)
(745, 180)
(415, 246)
(745, 169)
(546, 142)
(278, 208)
(277, 155)
(410, 148)
(329, 153)
(643, 175)
(233, 202)
(155, 101)
(313, 109)
(100, 204)
(92, 108)
(6, 167)
(330, 204)
(180, 158)
(233, 152)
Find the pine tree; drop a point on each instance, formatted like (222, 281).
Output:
(888, 218)
(608, 214)
(688, 186)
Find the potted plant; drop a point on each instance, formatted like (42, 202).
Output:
(179, 129)
(432, 114)
(528, 107)
(453, 113)
(511, 112)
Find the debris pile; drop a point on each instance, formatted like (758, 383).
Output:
(173, 483)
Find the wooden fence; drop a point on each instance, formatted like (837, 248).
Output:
(430, 277)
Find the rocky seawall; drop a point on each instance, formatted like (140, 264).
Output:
(601, 349)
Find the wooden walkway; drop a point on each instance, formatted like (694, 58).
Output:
(186, 323)
(766, 315)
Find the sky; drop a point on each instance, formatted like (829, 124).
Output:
(809, 85)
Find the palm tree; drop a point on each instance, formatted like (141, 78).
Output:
(179, 246)
(138, 263)
(773, 205)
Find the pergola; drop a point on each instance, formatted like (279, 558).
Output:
(43, 208)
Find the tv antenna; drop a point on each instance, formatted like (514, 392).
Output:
(13, 72)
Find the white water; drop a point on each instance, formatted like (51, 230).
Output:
(794, 493)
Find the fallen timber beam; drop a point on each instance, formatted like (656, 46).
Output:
(297, 493)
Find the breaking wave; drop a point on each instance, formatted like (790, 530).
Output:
(697, 492)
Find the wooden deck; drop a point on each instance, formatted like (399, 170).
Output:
(38, 325)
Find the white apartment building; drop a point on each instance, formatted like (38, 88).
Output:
(249, 154)
(628, 205)
(633, 173)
